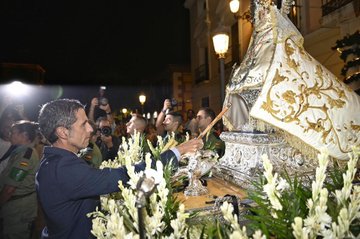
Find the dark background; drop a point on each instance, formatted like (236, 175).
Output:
(84, 44)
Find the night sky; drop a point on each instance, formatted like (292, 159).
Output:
(84, 44)
(95, 42)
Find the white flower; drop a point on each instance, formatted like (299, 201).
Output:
(282, 185)
(259, 235)
(270, 188)
(179, 223)
(298, 231)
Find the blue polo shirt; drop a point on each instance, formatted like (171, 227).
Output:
(68, 188)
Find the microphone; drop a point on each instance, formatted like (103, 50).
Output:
(145, 187)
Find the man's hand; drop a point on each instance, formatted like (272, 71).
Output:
(107, 140)
(94, 102)
(190, 146)
(167, 105)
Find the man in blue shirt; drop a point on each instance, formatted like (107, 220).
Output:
(68, 188)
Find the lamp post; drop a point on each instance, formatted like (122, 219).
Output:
(221, 44)
(142, 99)
(234, 8)
(124, 111)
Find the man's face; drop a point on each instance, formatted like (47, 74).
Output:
(131, 126)
(17, 138)
(202, 120)
(79, 133)
(104, 123)
(190, 114)
(170, 125)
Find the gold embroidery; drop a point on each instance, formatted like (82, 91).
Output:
(292, 105)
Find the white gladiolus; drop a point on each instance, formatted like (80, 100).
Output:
(298, 231)
(270, 188)
(318, 219)
(258, 235)
(111, 224)
(349, 198)
(179, 223)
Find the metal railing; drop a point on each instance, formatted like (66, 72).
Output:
(329, 6)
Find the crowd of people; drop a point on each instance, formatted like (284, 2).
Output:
(54, 162)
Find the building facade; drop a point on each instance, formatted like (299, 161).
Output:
(322, 23)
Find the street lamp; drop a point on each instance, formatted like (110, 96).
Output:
(234, 8)
(124, 111)
(221, 44)
(142, 99)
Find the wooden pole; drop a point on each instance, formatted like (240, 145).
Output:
(217, 118)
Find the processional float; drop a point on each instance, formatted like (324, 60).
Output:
(284, 104)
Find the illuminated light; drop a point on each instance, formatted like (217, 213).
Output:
(17, 88)
(155, 114)
(221, 44)
(234, 6)
(142, 99)
(148, 116)
(124, 111)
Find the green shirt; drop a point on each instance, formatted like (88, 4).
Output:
(213, 142)
(21, 169)
(20, 173)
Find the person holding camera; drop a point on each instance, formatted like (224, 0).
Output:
(169, 122)
(107, 142)
(100, 108)
(68, 188)
(167, 107)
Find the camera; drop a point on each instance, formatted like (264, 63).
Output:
(102, 100)
(173, 102)
(106, 131)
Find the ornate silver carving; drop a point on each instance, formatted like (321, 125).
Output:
(241, 163)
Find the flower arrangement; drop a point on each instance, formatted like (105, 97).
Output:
(284, 207)
(164, 216)
(300, 212)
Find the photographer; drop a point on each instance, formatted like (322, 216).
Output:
(100, 107)
(167, 107)
(107, 142)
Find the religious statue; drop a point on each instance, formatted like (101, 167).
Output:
(282, 96)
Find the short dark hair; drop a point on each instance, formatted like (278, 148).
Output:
(177, 116)
(101, 118)
(140, 118)
(208, 112)
(28, 127)
(57, 113)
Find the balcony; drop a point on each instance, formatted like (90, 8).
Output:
(329, 6)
